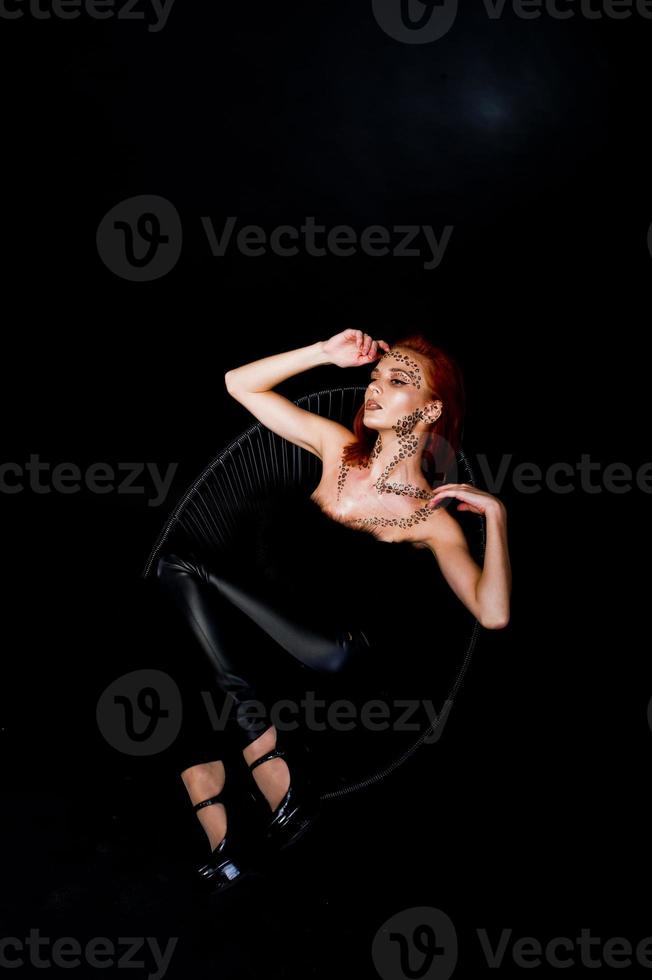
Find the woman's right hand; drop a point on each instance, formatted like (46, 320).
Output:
(353, 348)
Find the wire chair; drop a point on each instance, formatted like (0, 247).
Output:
(236, 482)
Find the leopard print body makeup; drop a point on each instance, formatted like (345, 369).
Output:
(413, 368)
(408, 445)
(403, 522)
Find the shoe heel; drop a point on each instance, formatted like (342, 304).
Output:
(234, 857)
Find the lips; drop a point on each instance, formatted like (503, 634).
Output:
(372, 406)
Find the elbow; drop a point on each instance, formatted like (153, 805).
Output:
(494, 623)
(229, 382)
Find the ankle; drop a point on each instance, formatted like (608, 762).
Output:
(272, 776)
(273, 780)
(203, 781)
(264, 743)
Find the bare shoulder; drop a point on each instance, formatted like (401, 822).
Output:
(443, 531)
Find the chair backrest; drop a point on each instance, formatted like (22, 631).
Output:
(259, 462)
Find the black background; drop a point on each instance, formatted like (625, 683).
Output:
(530, 139)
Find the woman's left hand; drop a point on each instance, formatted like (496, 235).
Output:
(477, 501)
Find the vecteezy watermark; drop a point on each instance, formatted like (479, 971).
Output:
(417, 942)
(100, 478)
(140, 239)
(561, 951)
(425, 21)
(422, 942)
(341, 240)
(341, 715)
(140, 713)
(565, 476)
(98, 952)
(127, 10)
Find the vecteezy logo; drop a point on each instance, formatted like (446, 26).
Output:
(420, 943)
(140, 712)
(415, 21)
(140, 239)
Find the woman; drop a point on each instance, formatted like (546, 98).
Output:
(373, 480)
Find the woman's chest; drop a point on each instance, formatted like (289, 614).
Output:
(356, 502)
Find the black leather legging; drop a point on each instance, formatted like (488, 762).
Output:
(255, 643)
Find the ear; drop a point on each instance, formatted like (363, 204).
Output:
(433, 410)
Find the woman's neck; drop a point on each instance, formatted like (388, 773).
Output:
(397, 459)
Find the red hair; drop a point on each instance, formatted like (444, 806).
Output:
(444, 379)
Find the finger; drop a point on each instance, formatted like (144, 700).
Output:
(358, 338)
(374, 350)
(440, 497)
(436, 499)
(367, 344)
(384, 345)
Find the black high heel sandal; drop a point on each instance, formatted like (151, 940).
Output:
(234, 857)
(299, 809)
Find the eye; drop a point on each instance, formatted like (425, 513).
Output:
(392, 381)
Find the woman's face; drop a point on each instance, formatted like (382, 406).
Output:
(398, 386)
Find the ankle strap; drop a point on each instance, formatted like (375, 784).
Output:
(211, 799)
(274, 754)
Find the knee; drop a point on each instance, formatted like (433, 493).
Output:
(170, 567)
(351, 649)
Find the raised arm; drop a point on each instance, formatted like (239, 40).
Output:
(252, 385)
